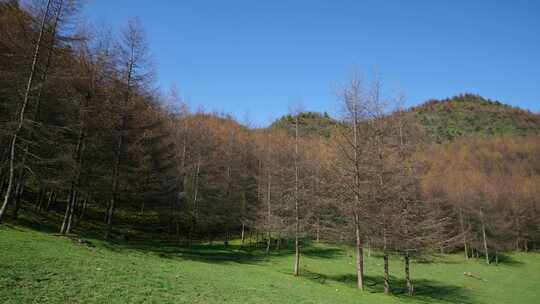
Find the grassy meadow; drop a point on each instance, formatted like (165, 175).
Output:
(43, 267)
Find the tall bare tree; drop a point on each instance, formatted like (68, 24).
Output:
(133, 68)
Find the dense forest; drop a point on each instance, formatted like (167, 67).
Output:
(83, 127)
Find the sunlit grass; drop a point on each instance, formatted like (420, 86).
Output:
(36, 267)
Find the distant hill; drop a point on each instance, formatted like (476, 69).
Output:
(473, 115)
(310, 124)
(442, 120)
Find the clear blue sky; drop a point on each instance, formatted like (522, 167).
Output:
(259, 57)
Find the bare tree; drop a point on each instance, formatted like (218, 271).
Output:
(133, 67)
(296, 198)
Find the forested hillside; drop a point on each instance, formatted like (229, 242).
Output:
(310, 124)
(90, 149)
(465, 115)
(473, 115)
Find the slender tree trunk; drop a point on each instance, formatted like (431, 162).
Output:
(71, 214)
(18, 195)
(3, 181)
(385, 258)
(359, 249)
(359, 254)
(181, 186)
(484, 238)
(226, 241)
(243, 232)
(50, 200)
(518, 232)
(386, 274)
(410, 287)
(66, 215)
(318, 232)
(83, 208)
(69, 209)
(68, 218)
(119, 147)
(463, 232)
(116, 172)
(297, 216)
(112, 202)
(196, 192)
(269, 212)
(39, 199)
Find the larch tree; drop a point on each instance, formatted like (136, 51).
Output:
(133, 70)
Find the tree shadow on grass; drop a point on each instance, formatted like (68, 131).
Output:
(322, 252)
(216, 253)
(425, 291)
(505, 259)
(127, 237)
(43, 223)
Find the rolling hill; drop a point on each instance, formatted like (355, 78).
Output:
(442, 120)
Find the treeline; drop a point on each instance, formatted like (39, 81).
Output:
(82, 125)
(489, 188)
(79, 120)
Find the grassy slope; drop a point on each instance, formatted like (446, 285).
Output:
(44, 268)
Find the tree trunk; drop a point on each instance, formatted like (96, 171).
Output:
(39, 199)
(269, 212)
(296, 255)
(68, 218)
(359, 254)
(83, 208)
(72, 214)
(268, 241)
(3, 181)
(69, 209)
(196, 192)
(115, 180)
(318, 232)
(359, 249)
(297, 216)
(386, 274)
(243, 232)
(49, 201)
(518, 232)
(410, 287)
(119, 147)
(18, 196)
(484, 238)
(463, 232)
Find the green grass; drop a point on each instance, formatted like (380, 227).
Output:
(37, 267)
